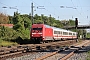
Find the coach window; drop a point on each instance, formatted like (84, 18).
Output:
(70, 33)
(65, 33)
(55, 32)
(74, 34)
(60, 32)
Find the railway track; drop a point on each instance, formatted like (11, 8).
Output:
(15, 50)
(21, 49)
(66, 52)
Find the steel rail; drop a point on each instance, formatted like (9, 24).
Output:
(66, 56)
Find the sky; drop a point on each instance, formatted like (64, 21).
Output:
(71, 8)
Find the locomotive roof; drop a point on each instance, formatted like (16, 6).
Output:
(58, 29)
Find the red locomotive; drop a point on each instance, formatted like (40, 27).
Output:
(44, 33)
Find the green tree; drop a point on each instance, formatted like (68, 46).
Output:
(38, 19)
(71, 22)
(18, 22)
(27, 21)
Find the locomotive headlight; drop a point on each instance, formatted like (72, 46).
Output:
(32, 35)
(41, 35)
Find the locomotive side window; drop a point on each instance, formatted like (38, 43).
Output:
(37, 28)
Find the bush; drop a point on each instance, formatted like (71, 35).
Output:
(7, 33)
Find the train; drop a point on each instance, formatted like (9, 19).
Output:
(44, 33)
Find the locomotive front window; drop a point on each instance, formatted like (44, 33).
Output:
(37, 28)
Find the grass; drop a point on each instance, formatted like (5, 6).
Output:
(6, 43)
(88, 57)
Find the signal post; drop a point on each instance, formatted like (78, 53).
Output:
(76, 26)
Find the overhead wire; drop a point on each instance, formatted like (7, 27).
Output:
(77, 9)
(3, 4)
(45, 9)
(55, 9)
(7, 6)
(82, 9)
(65, 7)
